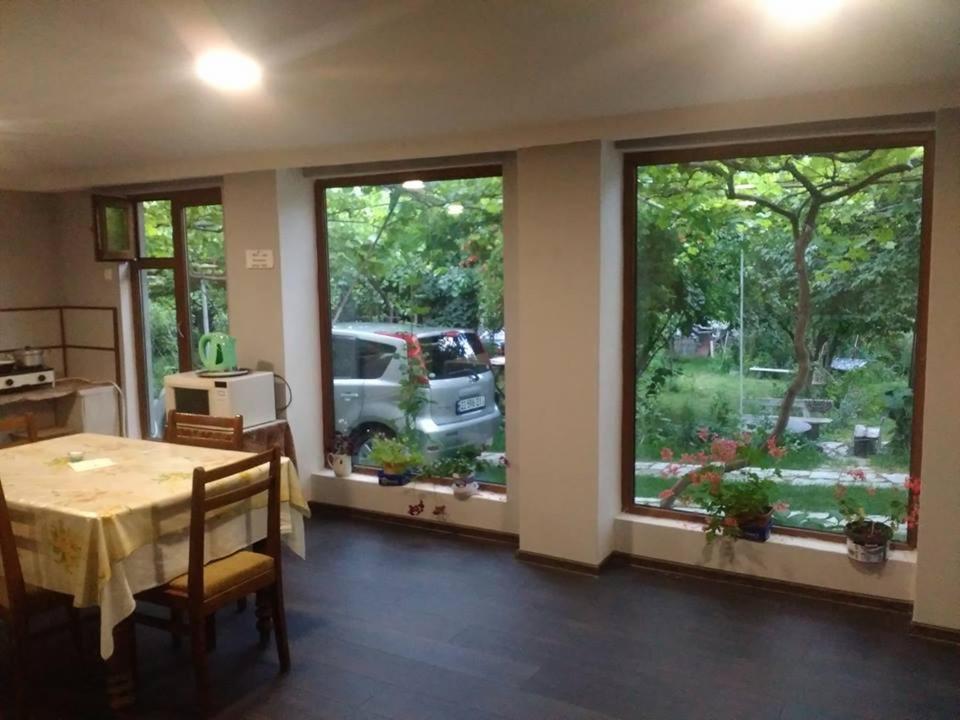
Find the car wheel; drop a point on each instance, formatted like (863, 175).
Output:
(362, 442)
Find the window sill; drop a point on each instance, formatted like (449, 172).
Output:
(326, 474)
(790, 541)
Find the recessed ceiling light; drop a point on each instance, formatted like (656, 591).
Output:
(413, 185)
(454, 209)
(800, 12)
(228, 70)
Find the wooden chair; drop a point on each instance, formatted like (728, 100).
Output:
(206, 588)
(19, 603)
(19, 425)
(222, 433)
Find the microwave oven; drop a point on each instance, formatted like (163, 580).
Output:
(251, 395)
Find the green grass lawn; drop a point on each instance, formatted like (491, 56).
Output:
(800, 498)
(704, 395)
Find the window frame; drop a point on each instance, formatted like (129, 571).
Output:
(321, 185)
(177, 262)
(632, 161)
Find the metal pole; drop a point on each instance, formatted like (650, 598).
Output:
(741, 337)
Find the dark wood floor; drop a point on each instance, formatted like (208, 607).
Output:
(393, 623)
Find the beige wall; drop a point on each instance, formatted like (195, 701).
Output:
(254, 299)
(29, 262)
(558, 260)
(938, 557)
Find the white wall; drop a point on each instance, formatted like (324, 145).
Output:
(301, 318)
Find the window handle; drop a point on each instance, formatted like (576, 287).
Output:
(349, 395)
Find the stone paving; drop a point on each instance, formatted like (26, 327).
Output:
(819, 476)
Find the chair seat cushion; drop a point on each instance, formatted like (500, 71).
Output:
(222, 575)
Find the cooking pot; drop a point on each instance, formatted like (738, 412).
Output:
(28, 357)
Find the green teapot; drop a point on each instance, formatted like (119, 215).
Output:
(218, 352)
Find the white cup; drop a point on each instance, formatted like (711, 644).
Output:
(342, 464)
(75, 456)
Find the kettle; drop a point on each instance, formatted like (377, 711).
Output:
(218, 352)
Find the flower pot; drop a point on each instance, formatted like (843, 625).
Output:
(755, 528)
(466, 490)
(867, 542)
(342, 465)
(391, 469)
(389, 479)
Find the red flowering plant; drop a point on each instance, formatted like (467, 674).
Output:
(872, 531)
(733, 506)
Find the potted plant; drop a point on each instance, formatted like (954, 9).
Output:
(868, 538)
(341, 457)
(460, 466)
(397, 459)
(740, 507)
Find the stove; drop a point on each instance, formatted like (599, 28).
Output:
(18, 378)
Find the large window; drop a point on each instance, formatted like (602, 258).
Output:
(774, 299)
(413, 303)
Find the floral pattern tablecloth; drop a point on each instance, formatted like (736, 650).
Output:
(89, 534)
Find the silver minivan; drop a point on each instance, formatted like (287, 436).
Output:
(368, 366)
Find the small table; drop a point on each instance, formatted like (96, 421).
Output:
(106, 534)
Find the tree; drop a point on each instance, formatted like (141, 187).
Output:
(429, 255)
(850, 264)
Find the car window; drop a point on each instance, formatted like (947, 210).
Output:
(373, 358)
(344, 356)
(449, 355)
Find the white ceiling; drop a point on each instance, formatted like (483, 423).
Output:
(90, 87)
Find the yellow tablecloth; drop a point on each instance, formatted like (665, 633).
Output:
(105, 534)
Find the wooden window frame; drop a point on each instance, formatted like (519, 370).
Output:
(633, 161)
(179, 200)
(323, 286)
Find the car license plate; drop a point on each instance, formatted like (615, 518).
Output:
(471, 403)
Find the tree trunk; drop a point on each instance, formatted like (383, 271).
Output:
(801, 241)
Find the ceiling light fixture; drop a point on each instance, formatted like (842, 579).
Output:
(413, 185)
(800, 12)
(228, 70)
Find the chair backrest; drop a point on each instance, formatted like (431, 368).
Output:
(202, 502)
(22, 424)
(222, 433)
(12, 572)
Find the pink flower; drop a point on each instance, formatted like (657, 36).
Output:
(857, 474)
(665, 494)
(913, 485)
(672, 470)
(704, 434)
(666, 454)
(724, 450)
(781, 507)
(773, 450)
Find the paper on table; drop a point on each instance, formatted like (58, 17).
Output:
(95, 464)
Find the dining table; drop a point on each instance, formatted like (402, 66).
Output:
(101, 518)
